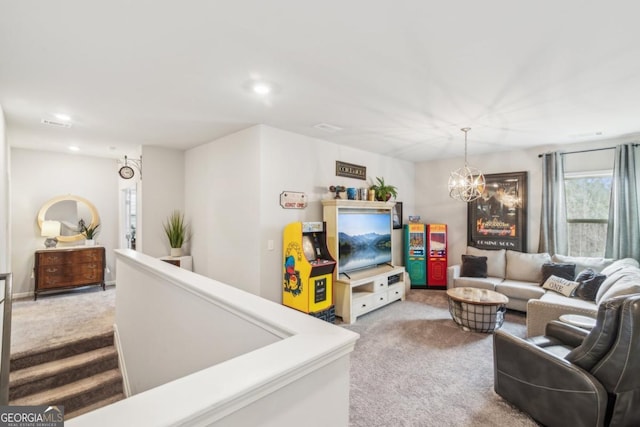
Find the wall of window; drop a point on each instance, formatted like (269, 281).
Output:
(587, 197)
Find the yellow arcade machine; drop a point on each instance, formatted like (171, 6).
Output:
(307, 270)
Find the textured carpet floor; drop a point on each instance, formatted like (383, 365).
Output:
(414, 367)
(62, 317)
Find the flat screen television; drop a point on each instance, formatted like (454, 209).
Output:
(364, 239)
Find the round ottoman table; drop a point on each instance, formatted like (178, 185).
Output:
(479, 310)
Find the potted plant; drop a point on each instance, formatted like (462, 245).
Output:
(89, 232)
(384, 191)
(176, 231)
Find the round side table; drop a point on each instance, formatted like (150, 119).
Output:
(584, 322)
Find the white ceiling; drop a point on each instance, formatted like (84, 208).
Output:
(399, 77)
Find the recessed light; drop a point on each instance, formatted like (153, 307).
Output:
(261, 88)
(60, 124)
(63, 117)
(74, 148)
(327, 127)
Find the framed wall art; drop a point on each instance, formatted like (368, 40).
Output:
(397, 215)
(498, 219)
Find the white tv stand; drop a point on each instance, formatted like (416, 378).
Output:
(368, 290)
(365, 290)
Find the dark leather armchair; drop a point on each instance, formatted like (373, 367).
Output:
(573, 377)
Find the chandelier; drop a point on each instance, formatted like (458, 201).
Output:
(467, 183)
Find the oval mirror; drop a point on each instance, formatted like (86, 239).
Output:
(69, 210)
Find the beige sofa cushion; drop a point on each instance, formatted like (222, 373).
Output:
(618, 265)
(615, 272)
(623, 282)
(520, 290)
(582, 263)
(526, 267)
(496, 261)
(560, 300)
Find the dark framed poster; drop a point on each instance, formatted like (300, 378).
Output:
(498, 219)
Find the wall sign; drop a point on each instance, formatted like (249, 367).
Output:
(350, 170)
(293, 200)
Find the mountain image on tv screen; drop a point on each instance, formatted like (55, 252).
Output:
(364, 240)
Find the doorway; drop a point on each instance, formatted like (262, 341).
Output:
(129, 218)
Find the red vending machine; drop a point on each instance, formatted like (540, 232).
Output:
(437, 255)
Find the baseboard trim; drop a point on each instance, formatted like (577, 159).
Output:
(30, 294)
(121, 364)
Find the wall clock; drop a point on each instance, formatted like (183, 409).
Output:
(126, 172)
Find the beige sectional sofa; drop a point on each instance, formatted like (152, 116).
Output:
(519, 275)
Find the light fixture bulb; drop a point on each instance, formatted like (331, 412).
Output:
(261, 88)
(63, 117)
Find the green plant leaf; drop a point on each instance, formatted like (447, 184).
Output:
(176, 229)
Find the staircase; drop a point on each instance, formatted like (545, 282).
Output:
(81, 375)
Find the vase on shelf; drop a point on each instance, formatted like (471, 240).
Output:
(90, 242)
(177, 252)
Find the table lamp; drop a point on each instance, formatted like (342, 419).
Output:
(50, 230)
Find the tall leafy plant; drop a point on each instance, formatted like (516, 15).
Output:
(88, 231)
(176, 229)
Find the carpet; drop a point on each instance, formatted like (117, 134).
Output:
(57, 318)
(413, 366)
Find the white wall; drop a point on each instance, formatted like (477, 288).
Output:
(5, 217)
(160, 193)
(223, 202)
(292, 162)
(435, 206)
(36, 177)
(232, 232)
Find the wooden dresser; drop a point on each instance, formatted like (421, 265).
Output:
(67, 268)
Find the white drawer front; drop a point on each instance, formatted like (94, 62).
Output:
(363, 304)
(380, 298)
(396, 292)
(380, 284)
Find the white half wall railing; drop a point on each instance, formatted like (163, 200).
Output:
(196, 352)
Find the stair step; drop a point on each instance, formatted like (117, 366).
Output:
(75, 395)
(59, 351)
(56, 373)
(97, 405)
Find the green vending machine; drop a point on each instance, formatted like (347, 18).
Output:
(415, 254)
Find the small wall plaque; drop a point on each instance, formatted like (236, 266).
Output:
(350, 170)
(293, 200)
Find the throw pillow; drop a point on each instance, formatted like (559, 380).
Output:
(564, 270)
(560, 285)
(589, 283)
(474, 266)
